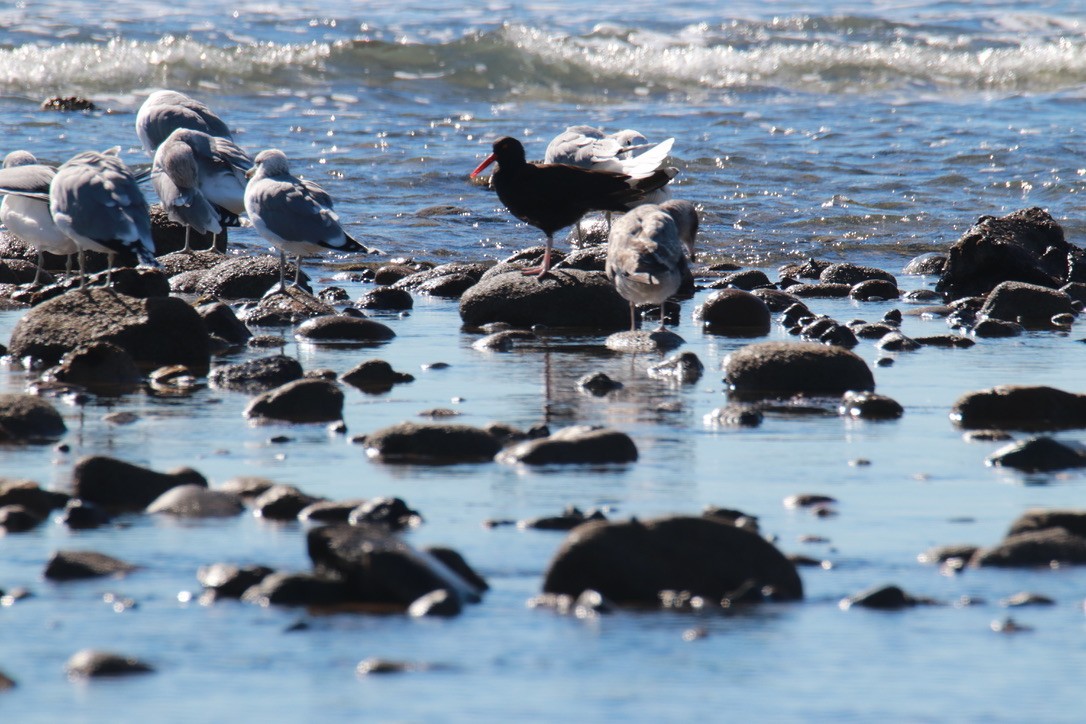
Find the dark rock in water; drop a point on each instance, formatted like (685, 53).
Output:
(169, 239)
(456, 563)
(829, 331)
(735, 415)
(246, 277)
(810, 269)
(439, 602)
(374, 375)
(448, 286)
(342, 328)
(925, 264)
(1025, 246)
(379, 567)
(570, 518)
(425, 279)
(683, 367)
(101, 367)
(598, 383)
(775, 299)
(75, 565)
(297, 589)
(887, 598)
(90, 663)
(247, 487)
(6, 682)
(257, 375)
(31, 496)
(68, 103)
(391, 273)
(221, 321)
(1020, 407)
(1039, 454)
(409, 442)
(392, 513)
(81, 515)
(196, 501)
(747, 280)
(29, 419)
(897, 342)
(18, 519)
(1026, 598)
(954, 341)
(788, 368)
(854, 274)
(118, 485)
(921, 296)
(734, 312)
(870, 406)
(874, 290)
(877, 330)
(794, 313)
(1035, 519)
(505, 340)
(820, 290)
(329, 511)
(577, 444)
(1075, 290)
(155, 331)
(657, 340)
(305, 400)
(230, 581)
(632, 562)
(282, 502)
(997, 328)
(1034, 548)
(280, 310)
(1027, 304)
(387, 298)
(943, 554)
(563, 298)
(176, 263)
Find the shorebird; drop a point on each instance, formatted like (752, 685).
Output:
(201, 181)
(95, 200)
(646, 258)
(27, 216)
(164, 111)
(295, 216)
(553, 196)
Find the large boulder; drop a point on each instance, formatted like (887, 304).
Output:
(772, 369)
(577, 444)
(735, 312)
(633, 562)
(1030, 305)
(412, 442)
(27, 418)
(1020, 407)
(101, 367)
(257, 375)
(156, 331)
(562, 298)
(245, 277)
(117, 485)
(305, 400)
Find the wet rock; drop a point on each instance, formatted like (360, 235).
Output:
(432, 444)
(577, 444)
(943, 554)
(775, 299)
(392, 513)
(282, 502)
(808, 500)
(504, 340)
(6, 682)
(176, 262)
(1075, 290)
(924, 296)
(456, 563)
(222, 322)
(29, 419)
(948, 341)
(634, 341)
(810, 269)
(101, 367)
(734, 312)
(30, 495)
(439, 602)
(598, 384)
(1034, 548)
(118, 485)
(794, 313)
(734, 415)
(329, 511)
(391, 273)
(887, 598)
(230, 581)
(67, 104)
(564, 298)
(140, 283)
(1026, 598)
(874, 290)
(81, 515)
(1025, 246)
(877, 330)
(632, 562)
(75, 565)
(256, 375)
(1037, 455)
(829, 331)
(1027, 304)
(378, 567)
(897, 342)
(926, 264)
(788, 368)
(245, 277)
(247, 487)
(569, 519)
(1020, 407)
(747, 280)
(870, 406)
(996, 328)
(297, 589)
(820, 290)
(374, 376)
(853, 274)
(304, 400)
(187, 282)
(684, 367)
(385, 298)
(155, 331)
(1036, 519)
(283, 309)
(91, 663)
(443, 276)
(196, 501)
(18, 519)
(342, 328)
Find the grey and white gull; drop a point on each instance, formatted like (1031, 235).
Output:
(164, 111)
(24, 209)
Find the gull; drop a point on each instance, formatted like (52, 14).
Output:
(295, 216)
(200, 180)
(646, 258)
(96, 201)
(164, 111)
(27, 216)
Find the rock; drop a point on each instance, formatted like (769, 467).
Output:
(874, 290)
(870, 406)
(385, 298)
(432, 444)
(657, 340)
(256, 375)
(296, 589)
(75, 565)
(598, 384)
(747, 280)
(1036, 519)
(887, 598)
(456, 563)
(569, 519)
(943, 554)
(118, 485)
(926, 264)
(504, 340)
(29, 495)
(392, 513)
(577, 444)
(247, 487)
(101, 367)
(18, 519)
(196, 501)
(684, 367)
(379, 567)
(810, 269)
(1037, 455)
(81, 515)
(342, 328)
(329, 511)
(829, 331)
(563, 298)
(788, 368)
(221, 321)
(229, 581)
(1026, 598)
(155, 331)
(775, 299)
(631, 563)
(995, 328)
(90, 663)
(1025, 246)
(426, 278)
(282, 502)
(1020, 407)
(29, 419)
(817, 291)
(389, 274)
(245, 277)
(897, 342)
(6, 682)
(734, 312)
(374, 376)
(1034, 548)
(877, 330)
(304, 400)
(950, 341)
(1030, 305)
(853, 274)
(734, 415)
(283, 309)
(435, 603)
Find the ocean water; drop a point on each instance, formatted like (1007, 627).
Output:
(868, 132)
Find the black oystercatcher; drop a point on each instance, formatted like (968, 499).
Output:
(553, 196)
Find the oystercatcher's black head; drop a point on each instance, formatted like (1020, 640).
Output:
(507, 151)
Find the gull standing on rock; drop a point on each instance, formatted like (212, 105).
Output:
(295, 216)
(165, 111)
(646, 258)
(27, 216)
(201, 181)
(95, 200)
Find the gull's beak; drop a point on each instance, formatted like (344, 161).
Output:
(249, 173)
